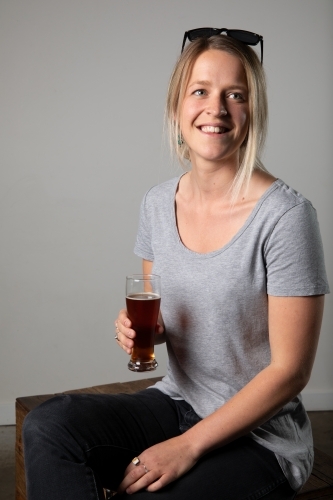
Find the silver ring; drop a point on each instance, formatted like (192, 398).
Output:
(136, 461)
(117, 331)
(145, 468)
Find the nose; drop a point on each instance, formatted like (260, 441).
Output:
(216, 107)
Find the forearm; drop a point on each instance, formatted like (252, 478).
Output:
(258, 401)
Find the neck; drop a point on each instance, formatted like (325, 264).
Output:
(212, 181)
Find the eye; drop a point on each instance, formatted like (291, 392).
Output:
(236, 95)
(199, 92)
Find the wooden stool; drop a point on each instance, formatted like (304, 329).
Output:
(319, 485)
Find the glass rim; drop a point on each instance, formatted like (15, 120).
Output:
(143, 276)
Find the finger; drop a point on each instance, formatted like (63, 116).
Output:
(124, 319)
(124, 324)
(124, 344)
(161, 482)
(143, 482)
(124, 336)
(132, 475)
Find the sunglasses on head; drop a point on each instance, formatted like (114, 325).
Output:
(246, 37)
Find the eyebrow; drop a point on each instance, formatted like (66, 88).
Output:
(200, 82)
(204, 83)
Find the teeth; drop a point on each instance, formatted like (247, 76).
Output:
(216, 130)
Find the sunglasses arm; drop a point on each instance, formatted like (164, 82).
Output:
(184, 40)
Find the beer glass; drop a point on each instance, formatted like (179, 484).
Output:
(143, 298)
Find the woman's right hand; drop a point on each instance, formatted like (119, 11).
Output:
(125, 335)
(124, 332)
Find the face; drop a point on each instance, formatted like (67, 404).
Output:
(214, 116)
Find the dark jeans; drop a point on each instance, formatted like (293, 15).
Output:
(75, 445)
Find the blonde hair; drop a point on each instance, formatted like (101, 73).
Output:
(252, 146)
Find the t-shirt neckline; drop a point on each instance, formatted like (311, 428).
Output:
(248, 221)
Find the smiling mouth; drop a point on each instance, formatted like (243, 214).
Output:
(215, 130)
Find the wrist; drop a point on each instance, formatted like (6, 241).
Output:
(191, 442)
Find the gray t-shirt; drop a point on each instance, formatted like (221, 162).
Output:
(214, 306)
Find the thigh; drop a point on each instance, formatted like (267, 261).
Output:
(98, 432)
(242, 470)
(130, 424)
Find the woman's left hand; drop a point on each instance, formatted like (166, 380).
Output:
(159, 465)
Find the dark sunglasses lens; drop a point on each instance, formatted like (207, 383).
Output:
(244, 36)
(202, 33)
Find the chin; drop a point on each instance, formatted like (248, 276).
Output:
(215, 157)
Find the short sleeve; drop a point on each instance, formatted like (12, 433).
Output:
(143, 246)
(294, 254)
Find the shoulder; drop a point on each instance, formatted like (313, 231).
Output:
(286, 195)
(283, 214)
(164, 191)
(293, 248)
(281, 202)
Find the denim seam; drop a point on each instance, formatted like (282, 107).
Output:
(185, 416)
(95, 485)
(265, 490)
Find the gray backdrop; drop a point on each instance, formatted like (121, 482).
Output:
(83, 86)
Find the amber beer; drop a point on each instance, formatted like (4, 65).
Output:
(143, 304)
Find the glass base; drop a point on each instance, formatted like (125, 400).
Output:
(142, 366)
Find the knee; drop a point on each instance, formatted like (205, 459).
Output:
(50, 435)
(51, 422)
(46, 422)
(53, 429)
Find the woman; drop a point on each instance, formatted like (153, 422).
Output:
(243, 278)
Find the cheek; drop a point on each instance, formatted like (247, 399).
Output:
(244, 121)
(189, 112)
(244, 116)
